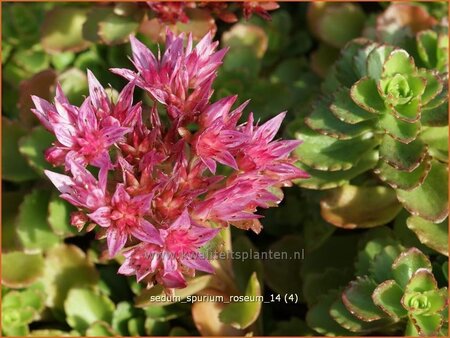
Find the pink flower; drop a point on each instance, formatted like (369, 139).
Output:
(82, 189)
(260, 8)
(178, 256)
(124, 216)
(181, 79)
(238, 200)
(263, 154)
(88, 132)
(158, 194)
(170, 12)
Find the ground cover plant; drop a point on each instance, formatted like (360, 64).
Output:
(203, 168)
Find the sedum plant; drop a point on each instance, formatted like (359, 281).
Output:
(164, 190)
(384, 112)
(413, 295)
(394, 290)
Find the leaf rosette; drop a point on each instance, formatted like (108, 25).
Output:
(378, 112)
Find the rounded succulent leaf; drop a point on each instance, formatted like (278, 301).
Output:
(84, 307)
(388, 296)
(360, 207)
(430, 199)
(21, 269)
(357, 299)
(433, 235)
(320, 319)
(407, 263)
(426, 325)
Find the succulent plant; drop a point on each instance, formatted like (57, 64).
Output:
(413, 294)
(381, 113)
(394, 290)
(432, 49)
(19, 308)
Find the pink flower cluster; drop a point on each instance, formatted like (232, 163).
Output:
(163, 190)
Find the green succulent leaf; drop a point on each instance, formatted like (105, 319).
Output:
(357, 299)
(114, 29)
(155, 328)
(399, 130)
(324, 122)
(365, 94)
(346, 110)
(20, 269)
(388, 296)
(376, 60)
(66, 267)
(407, 263)
(14, 166)
(431, 48)
(430, 199)
(59, 217)
(427, 325)
(341, 314)
(32, 227)
(437, 141)
(436, 116)
(74, 84)
(360, 64)
(15, 331)
(331, 179)
(100, 329)
(320, 319)
(124, 311)
(136, 326)
(399, 179)
(32, 60)
(84, 307)
(407, 237)
(407, 112)
(61, 31)
(32, 147)
(430, 234)
(371, 249)
(61, 61)
(360, 206)
(401, 156)
(398, 62)
(346, 73)
(426, 47)
(431, 96)
(246, 36)
(421, 281)
(380, 267)
(349, 16)
(31, 298)
(328, 154)
(242, 314)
